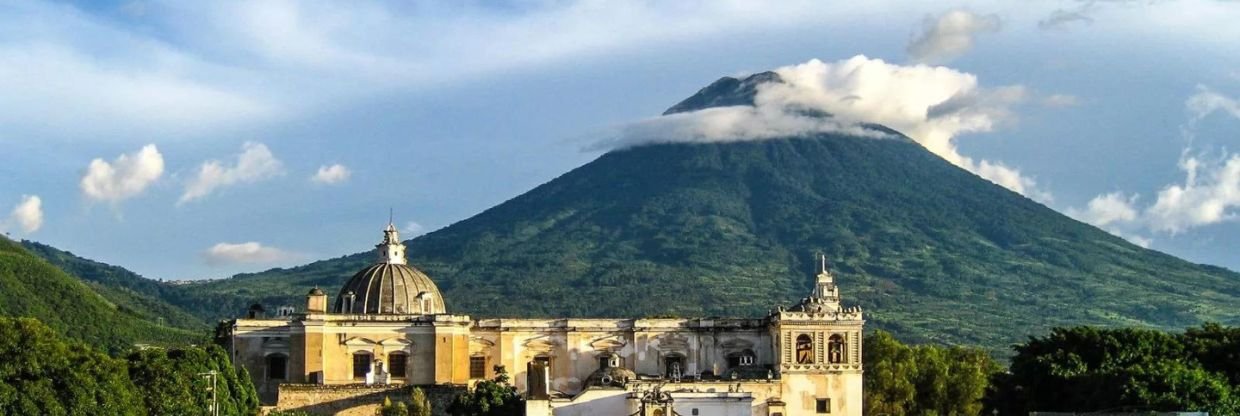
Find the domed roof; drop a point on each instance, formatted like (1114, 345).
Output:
(387, 288)
(390, 286)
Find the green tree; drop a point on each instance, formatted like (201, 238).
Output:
(172, 381)
(927, 379)
(495, 397)
(1085, 369)
(43, 374)
(419, 405)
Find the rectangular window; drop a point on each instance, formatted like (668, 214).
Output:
(824, 406)
(361, 365)
(397, 364)
(477, 367)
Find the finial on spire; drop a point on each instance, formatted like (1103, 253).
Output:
(390, 215)
(823, 256)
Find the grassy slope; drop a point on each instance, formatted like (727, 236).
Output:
(932, 252)
(131, 292)
(32, 287)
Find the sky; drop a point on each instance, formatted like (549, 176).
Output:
(190, 140)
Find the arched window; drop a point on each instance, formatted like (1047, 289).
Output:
(805, 349)
(277, 366)
(361, 364)
(835, 349)
(398, 364)
(426, 304)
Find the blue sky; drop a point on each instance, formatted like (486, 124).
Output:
(202, 139)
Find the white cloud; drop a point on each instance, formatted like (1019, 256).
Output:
(329, 175)
(1108, 209)
(413, 229)
(255, 163)
(1060, 100)
(127, 176)
(1210, 194)
(932, 105)
(1207, 101)
(950, 35)
(245, 253)
(28, 214)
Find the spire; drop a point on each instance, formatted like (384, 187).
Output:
(391, 250)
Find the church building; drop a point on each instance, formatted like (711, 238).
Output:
(388, 326)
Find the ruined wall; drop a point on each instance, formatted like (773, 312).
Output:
(357, 400)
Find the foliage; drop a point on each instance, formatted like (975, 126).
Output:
(34, 288)
(419, 405)
(1086, 369)
(172, 381)
(927, 379)
(42, 374)
(493, 397)
(137, 295)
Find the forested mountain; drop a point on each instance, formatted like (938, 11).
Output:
(32, 287)
(135, 294)
(932, 252)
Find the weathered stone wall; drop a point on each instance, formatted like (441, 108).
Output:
(356, 399)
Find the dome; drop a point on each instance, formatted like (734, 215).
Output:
(390, 286)
(387, 288)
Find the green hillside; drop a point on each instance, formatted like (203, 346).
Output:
(32, 287)
(128, 290)
(932, 252)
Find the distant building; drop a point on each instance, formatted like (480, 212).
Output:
(388, 326)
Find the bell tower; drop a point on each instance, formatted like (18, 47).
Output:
(817, 342)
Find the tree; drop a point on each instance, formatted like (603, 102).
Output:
(927, 379)
(171, 381)
(44, 374)
(419, 405)
(1086, 369)
(495, 397)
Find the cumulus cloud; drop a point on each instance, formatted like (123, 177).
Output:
(255, 163)
(127, 176)
(1209, 193)
(932, 105)
(245, 253)
(950, 35)
(1060, 100)
(330, 175)
(27, 215)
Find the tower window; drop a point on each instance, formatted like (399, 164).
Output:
(822, 406)
(805, 349)
(477, 367)
(675, 366)
(397, 364)
(277, 367)
(361, 364)
(835, 349)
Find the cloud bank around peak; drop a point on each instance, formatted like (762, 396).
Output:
(931, 104)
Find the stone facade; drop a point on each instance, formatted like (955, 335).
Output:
(802, 360)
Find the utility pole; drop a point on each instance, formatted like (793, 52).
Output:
(213, 409)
